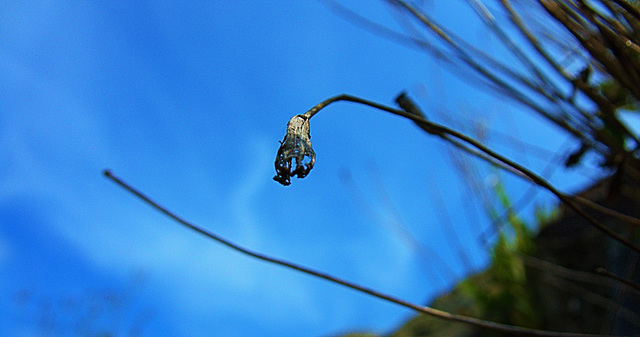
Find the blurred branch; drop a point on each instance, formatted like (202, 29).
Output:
(468, 173)
(382, 31)
(603, 43)
(289, 265)
(447, 225)
(608, 211)
(490, 21)
(471, 56)
(631, 284)
(556, 272)
(630, 8)
(489, 73)
(514, 209)
(430, 257)
(592, 297)
(602, 62)
(567, 273)
(578, 83)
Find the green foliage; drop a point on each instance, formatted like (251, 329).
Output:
(505, 294)
(618, 95)
(501, 293)
(545, 216)
(507, 297)
(422, 326)
(518, 231)
(456, 301)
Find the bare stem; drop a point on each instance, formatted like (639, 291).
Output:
(443, 132)
(289, 265)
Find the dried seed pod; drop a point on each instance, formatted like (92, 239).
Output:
(296, 146)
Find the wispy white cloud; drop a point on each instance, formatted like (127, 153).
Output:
(5, 250)
(256, 164)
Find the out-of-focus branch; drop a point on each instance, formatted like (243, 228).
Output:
(470, 57)
(567, 273)
(591, 297)
(489, 73)
(519, 23)
(609, 48)
(633, 285)
(576, 25)
(430, 257)
(607, 211)
(490, 21)
(631, 9)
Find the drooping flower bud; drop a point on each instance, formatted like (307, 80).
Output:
(296, 146)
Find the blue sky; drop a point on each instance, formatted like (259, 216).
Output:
(187, 101)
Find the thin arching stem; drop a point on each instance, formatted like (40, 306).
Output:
(289, 265)
(443, 132)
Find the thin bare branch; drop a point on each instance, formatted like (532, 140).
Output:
(289, 265)
(441, 130)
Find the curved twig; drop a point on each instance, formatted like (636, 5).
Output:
(441, 131)
(422, 309)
